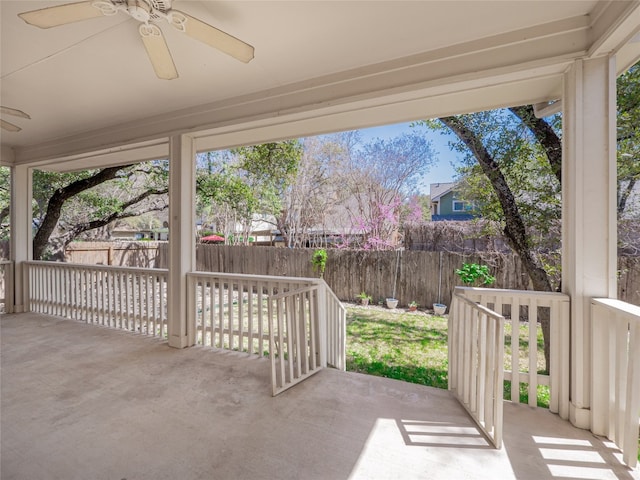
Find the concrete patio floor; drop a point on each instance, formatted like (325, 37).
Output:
(84, 402)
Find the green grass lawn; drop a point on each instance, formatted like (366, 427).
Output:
(413, 347)
(405, 346)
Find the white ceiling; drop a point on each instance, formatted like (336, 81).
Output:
(319, 65)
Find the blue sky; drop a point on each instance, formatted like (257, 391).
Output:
(441, 171)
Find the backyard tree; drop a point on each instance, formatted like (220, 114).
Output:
(381, 177)
(235, 185)
(67, 205)
(312, 201)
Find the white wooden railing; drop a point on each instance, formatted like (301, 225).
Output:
(299, 320)
(522, 309)
(615, 387)
(133, 299)
(476, 350)
(6, 286)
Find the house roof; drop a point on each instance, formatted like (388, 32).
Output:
(437, 190)
(319, 67)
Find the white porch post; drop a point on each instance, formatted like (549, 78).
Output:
(182, 257)
(21, 233)
(588, 211)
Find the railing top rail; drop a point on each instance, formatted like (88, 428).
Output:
(500, 292)
(6, 262)
(246, 276)
(292, 293)
(627, 309)
(84, 266)
(477, 306)
(333, 295)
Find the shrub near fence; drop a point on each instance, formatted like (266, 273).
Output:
(424, 277)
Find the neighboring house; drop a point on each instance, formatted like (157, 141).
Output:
(125, 234)
(158, 234)
(446, 206)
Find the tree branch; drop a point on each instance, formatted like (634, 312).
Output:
(4, 213)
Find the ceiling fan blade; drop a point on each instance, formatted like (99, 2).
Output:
(10, 127)
(213, 37)
(14, 112)
(158, 51)
(61, 15)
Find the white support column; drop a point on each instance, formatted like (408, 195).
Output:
(588, 211)
(182, 256)
(21, 233)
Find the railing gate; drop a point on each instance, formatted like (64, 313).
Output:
(294, 337)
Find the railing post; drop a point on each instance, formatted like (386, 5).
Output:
(322, 321)
(600, 371)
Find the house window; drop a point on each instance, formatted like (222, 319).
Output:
(459, 206)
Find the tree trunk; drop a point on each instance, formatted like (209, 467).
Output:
(624, 194)
(514, 230)
(545, 135)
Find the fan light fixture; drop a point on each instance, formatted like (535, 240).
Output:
(8, 126)
(148, 13)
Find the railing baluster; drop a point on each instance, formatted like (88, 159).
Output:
(533, 352)
(240, 316)
(221, 313)
(261, 287)
(215, 310)
(621, 334)
(482, 368)
(473, 360)
(515, 351)
(250, 306)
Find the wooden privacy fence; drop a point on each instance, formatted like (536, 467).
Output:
(615, 368)
(122, 254)
(424, 277)
(421, 276)
(132, 299)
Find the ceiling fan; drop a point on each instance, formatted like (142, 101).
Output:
(8, 126)
(148, 13)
